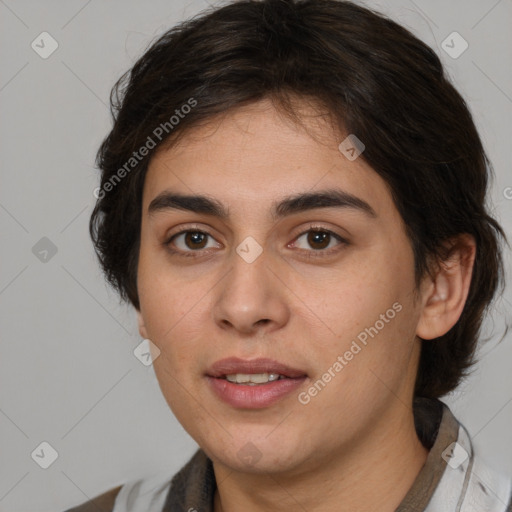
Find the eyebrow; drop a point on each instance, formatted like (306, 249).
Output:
(202, 204)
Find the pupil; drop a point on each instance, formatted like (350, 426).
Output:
(318, 237)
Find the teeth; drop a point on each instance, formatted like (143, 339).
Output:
(253, 378)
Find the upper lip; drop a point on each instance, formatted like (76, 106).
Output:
(233, 365)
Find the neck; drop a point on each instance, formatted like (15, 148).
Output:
(373, 474)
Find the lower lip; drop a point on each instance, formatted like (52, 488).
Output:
(254, 397)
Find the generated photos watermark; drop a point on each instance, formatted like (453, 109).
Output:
(158, 134)
(355, 348)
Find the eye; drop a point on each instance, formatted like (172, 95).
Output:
(323, 241)
(319, 239)
(189, 241)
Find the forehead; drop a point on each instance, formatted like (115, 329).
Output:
(254, 155)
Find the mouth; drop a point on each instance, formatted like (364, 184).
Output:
(253, 379)
(256, 371)
(252, 384)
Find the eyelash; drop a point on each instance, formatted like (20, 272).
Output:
(319, 253)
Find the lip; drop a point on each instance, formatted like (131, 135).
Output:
(245, 396)
(233, 365)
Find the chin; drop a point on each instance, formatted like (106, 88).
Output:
(256, 453)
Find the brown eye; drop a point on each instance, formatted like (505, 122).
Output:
(318, 239)
(195, 239)
(190, 241)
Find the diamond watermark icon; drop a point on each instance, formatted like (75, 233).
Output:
(454, 45)
(44, 45)
(249, 250)
(249, 454)
(44, 455)
(454, 455)
(146, 352)
(351, 147)
(44, 250)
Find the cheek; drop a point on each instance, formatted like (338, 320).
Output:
(163, 300)
(173, 325)
(354, 298)
(371, 319)
(175, 314)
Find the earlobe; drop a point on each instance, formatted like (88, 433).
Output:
(142, 326)
(445, 294)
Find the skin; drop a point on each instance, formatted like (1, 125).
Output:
(353, 446)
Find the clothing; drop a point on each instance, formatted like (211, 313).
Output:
(452, 479)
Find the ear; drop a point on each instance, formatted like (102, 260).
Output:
(142, 327)
(444, 294)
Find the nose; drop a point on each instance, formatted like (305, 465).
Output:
(251, 299)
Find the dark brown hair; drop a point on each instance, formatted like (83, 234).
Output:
(370, 74)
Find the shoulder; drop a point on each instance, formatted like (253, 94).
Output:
(152, 492)
(102, 503)
(486, 488)
(147, 493)
(468, 483)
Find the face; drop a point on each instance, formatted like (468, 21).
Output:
(323, 289)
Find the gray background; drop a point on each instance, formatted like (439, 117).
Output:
(68, 375)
